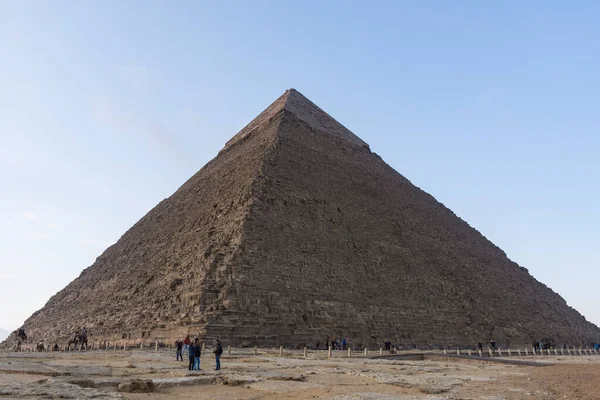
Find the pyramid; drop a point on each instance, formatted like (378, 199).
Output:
(295, 233)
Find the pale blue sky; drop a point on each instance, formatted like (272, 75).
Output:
(107, 107)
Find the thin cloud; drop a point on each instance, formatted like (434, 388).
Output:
(164, 139)
(156, 134)
(5, 276)
(28, 215)
(39, 235)
(53, 226)
(119, 117)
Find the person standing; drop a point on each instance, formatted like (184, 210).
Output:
(191, 355)
(179, 346)
(186, 343)
(218, 352)
(197, 354)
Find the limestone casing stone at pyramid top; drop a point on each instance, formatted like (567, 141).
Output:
(304, 109)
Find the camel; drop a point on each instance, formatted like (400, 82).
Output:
(78, 342)
(21, 337)
(74, 341)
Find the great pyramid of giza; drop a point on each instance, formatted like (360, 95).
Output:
(297, 232)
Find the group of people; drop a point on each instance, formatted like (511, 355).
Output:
(540, 346)
(492, 345)
(193, 348)
(537, 346)
(337, 344)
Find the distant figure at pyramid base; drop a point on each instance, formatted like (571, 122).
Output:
(296, 233)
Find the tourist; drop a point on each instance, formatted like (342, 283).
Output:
(191, 355)
(218, 352)
(388, 345)
(179, 352)
(197, 354)
(493, 344)
(186, 343)
(480, 346)
(343, 343)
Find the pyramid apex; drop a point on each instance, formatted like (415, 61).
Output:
(297, 104)
(301, 107)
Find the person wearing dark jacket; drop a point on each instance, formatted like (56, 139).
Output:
(218, 351)
(191, 354)
(178, 352)
(197, 354)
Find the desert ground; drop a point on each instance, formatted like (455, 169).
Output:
(245, 376)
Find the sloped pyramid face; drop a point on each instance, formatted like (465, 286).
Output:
(297, 232)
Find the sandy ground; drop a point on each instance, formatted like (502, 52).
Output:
(97, 375)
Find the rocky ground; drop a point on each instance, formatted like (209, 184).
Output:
(156, 375)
